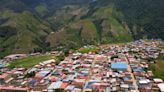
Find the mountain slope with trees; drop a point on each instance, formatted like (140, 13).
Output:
(41, 25)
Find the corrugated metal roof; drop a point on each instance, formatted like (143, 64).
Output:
(70, 87)
(161, 86)
(63, 85)
(55, 85)
(119, 65)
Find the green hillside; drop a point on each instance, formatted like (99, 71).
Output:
(42, 25)
(100, 26)
(22, 32)
(65, 28)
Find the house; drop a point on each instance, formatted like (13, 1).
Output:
(124, 86)
(161, 87)
(13, 89)
(42, 73)
(4, 77)
(2, 66)
(157, 80)
(144, 81)
(70, 87)
(57, 85)
(14, 56)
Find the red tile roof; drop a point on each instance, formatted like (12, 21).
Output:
(4, 75)
(63, 85)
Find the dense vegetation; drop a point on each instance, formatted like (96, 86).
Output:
(40, 25)
(157, 68)
(144, 17)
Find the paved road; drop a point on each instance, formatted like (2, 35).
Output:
(132, 75)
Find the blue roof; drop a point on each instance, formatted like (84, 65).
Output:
(44, 73)
(32, 82)
(1, 66)
(139, 69)
(88, 87)
(56, 73)
(126, 78)
(119, 65)
(89, 83)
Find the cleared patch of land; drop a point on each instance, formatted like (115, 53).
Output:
(88, 49)
(29, 61)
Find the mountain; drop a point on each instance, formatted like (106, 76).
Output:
(41, 25)
(144, 17)
(23, 25)
(86, 24)
(19, 33)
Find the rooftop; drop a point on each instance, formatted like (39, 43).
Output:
(119, 65)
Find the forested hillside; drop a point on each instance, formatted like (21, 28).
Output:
(41, 25)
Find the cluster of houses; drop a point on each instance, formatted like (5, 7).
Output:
(115, 68)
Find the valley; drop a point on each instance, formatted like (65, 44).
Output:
(47, 25)
(132, 66)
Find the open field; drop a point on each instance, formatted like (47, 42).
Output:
(29, 61)
(88, 49)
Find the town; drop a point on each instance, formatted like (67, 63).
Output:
(112, 68)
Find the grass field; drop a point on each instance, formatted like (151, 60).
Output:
(158, 68)
(29, 61)
(88, 49)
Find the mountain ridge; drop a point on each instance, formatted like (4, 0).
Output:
(42, 25)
